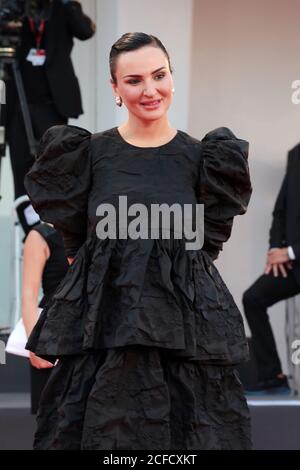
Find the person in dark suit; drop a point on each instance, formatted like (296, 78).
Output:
(280, 280)
(51, 86)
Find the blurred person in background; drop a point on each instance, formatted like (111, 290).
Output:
(280, 281)
(44, 266)
(47, 29)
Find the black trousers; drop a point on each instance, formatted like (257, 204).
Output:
(267, 290)
(43, 116)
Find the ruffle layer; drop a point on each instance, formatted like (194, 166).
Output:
(150, 292)
(141, 398)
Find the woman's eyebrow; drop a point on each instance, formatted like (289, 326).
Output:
(136, 75)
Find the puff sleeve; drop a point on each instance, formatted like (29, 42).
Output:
(59, 181)
(224, 185)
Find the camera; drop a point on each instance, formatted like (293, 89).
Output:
(12, 13)
(16, 10)
(12, 10)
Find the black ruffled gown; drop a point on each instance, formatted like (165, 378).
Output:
(146, 332)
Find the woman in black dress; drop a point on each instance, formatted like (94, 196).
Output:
(146, 332)
(44, 265)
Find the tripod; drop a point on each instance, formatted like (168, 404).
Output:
(8, 57)
(8, 60)
(2, 136)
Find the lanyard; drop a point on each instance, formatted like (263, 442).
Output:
(37, 32)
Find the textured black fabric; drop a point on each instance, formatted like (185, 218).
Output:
(141, 398)
(140, 314)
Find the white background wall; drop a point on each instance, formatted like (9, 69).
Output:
(234, 62)
(245, 57)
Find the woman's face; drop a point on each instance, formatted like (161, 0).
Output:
(144, 82)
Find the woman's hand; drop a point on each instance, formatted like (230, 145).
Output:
(38, 362)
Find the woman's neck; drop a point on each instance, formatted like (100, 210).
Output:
(147, 132)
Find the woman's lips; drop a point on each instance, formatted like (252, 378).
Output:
(153, 104)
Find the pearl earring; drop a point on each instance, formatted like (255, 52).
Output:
(173, 90)
(119, 101)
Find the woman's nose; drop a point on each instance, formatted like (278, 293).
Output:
(149, 90)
